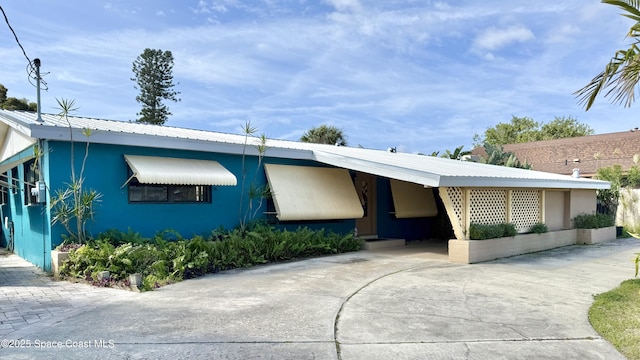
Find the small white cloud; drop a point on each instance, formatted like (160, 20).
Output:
(495, 38)
(345, 5)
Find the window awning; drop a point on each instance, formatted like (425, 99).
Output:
(174, 171)
(313, 193)
(412, 200)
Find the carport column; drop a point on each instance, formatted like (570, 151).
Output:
(508, 206)
(543, 216)
(467, 212)
(454, 200)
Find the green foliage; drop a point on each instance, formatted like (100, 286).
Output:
(325, 134)
(457, 154)
(256, 194)
(169, 258)
(74, 204)
(620, 76)
(539, 228)
(525, 129)
(483, 232)
(153, 71)
(497, 156)
(12, 103)
(593, 221)
(614, 315)
(637, 259)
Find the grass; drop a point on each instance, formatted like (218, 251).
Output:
(615, 315)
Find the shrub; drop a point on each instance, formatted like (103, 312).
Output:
(508, 230)
(593, 221)
(483, 232)
(169, 258)
(539, 228)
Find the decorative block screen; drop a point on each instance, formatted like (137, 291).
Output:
(488, 206)
(525, 208)
(522, 207)
(455, 197)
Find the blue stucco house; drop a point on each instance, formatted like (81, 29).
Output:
(154, 178)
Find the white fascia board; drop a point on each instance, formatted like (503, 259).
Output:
(155, 141)
(524, 183)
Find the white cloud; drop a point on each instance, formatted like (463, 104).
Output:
(345, 5)
(496, 38)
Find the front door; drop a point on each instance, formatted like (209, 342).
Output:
(366, 188)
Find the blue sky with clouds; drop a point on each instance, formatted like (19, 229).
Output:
(419, 75)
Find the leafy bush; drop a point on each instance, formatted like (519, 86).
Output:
(593, 221)
(483, 232)
(169, 258)
(539, 228)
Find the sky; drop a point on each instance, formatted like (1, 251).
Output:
(418, 75)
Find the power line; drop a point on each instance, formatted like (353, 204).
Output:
(30, 67)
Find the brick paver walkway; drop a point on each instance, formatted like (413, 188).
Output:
(29, 296)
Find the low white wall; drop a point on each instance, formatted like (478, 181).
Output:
(473, 251)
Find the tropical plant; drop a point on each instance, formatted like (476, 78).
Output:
(153, 71)
(497, 156)
(73, 204)
(256, 194)
(325, 134)
(169, 258)
(620, 76)
(457, 154)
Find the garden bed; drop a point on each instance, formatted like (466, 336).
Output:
(473, 251)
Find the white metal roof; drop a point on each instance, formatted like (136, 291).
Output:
(420, 169)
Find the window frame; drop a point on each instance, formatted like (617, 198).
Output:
(202, 193)
(30, 176)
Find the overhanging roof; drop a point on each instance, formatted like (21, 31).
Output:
(174, 171)
(428, 171)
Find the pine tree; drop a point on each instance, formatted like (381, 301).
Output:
(153, 71)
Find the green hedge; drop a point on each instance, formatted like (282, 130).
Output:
(483, 232)
(163, 260)
(593, 221)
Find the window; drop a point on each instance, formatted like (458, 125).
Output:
(30, 178)
(153, 193)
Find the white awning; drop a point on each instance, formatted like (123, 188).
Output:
(313, 193)
(412, 200)
(174, 171)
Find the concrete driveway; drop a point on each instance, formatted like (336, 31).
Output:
(395, 304)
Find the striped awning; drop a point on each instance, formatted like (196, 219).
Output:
(175, 171)
(312, 193)
(412, 200)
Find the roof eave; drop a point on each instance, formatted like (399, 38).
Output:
(454, 181)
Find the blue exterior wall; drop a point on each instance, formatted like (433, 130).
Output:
(30, 222)
(391, 227)
(106, 171)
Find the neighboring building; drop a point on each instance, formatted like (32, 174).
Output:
(154, 178)
(586, 153)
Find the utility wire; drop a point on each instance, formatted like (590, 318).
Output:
(30, 68)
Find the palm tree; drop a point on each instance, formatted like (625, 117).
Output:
(457, 154)
(622, 74)
(325, 134)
